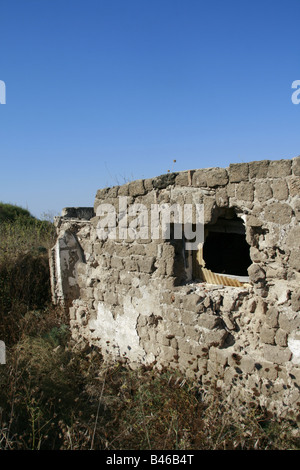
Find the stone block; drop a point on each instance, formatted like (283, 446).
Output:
(258, 169)
(229, 375)
(272, 317)
(276, 354)
(102, 193)
(238, 172)
(280, 189)
(112, 192)
(294, 262)
(278, 213)
(256, 255)
(163, 181)
(167, 354)
(293, 238)
(142, 320)
(209, 205)
(295, 300)
(124, 190)
(192, 333)
(214, 369)
(184, 178)
(247, 364)
(260, 307)
(152, 335)
(289, 321)
(151, 347)
(86, 246)
(162, 338)
(167, 298)
(275, 271)
(176, 329)
(234, 359)
(116, 263)
(215, 337)
(146, 265)
(295, 375)
(125, 278)
(205, 320)
(254, 221)
(82, 268)
(244, 191)
(296, 166)
(256, 273)
(143, 333)
(202, 366)
(268, 371)
(199, 179)
(188, 317)
(250, 236)
(222, 199)
(191, 302)
(87, 293)
(267, 335)
(219, 356)
(184, 360)
(279, 168)
(294, 186)
(230, 188)
(281, 338)
(131, 264)
(148, 184)
(111, 298)
(216, 177)
(263, 191)
(82, 281)
(296, 207)
(136, 188)
(184, 345)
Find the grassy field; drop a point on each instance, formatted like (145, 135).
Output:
(55, 397)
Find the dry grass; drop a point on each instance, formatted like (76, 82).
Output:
(54, 398)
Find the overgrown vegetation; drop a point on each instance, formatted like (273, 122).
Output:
(24, 267)
(53, 396)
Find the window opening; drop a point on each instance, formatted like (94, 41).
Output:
(225, 255)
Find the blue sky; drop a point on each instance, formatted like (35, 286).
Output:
(99, 92)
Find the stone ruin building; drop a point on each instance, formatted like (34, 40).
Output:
(226, 313)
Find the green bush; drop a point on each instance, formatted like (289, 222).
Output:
(24, 267)
(11, 212)
(25, 235)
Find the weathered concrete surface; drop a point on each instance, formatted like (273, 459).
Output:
(136, 299)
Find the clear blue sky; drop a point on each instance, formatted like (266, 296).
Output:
(104, 91)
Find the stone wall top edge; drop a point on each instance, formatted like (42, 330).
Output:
(140, 187)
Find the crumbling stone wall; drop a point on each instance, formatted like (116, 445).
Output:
(136, 300)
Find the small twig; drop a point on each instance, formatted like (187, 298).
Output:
(98, 410)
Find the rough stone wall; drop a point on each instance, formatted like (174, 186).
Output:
(67, 253)
(135, 300)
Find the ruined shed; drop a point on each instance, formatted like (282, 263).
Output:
(226, 311)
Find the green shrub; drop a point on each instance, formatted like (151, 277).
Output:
(25, 236)
(24, 267)
(11, 212)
